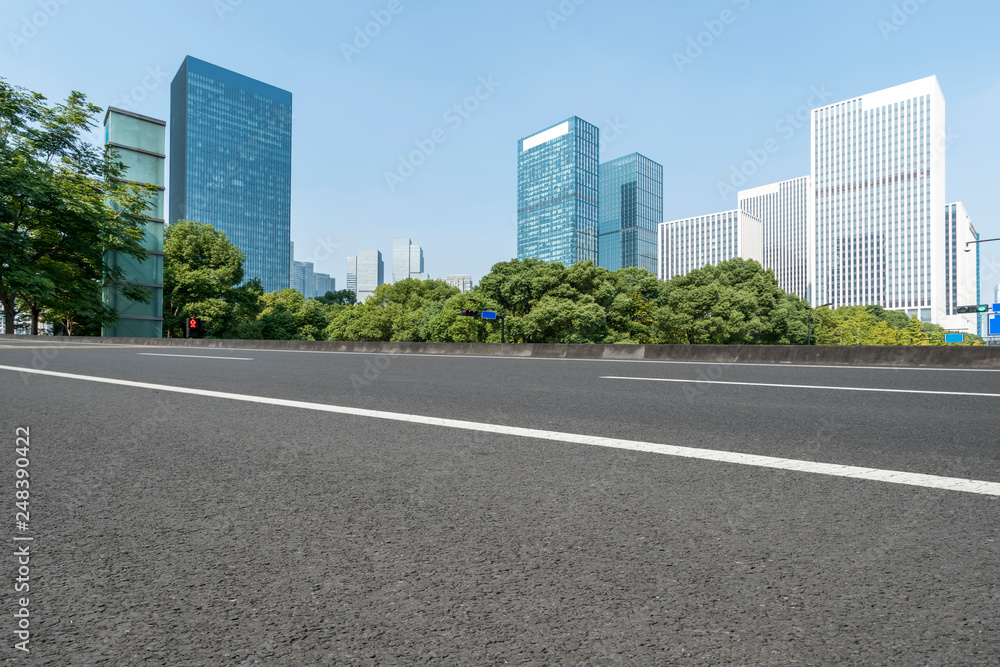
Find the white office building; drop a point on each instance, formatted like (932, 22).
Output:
(878, 163)
(961, 269)
(691, 243)
(370, 273)
(407, 261)
(352, 274)
(786, 212)
(462, 281)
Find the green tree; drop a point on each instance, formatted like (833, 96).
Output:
(62, 207)
(344, 297)
(201, 270)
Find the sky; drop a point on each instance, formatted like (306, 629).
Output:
(697, 86)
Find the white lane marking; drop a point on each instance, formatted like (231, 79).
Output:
(192, 356)
(804, 386)
(830, 469)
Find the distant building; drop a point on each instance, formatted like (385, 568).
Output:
(558, 194)
(462, 281)
(140, 142)
(407, 261)
(303, 278)
(324, 284)
(370, 273)
(631, 208)
(231, 163)
(692, 243)
(352, 274)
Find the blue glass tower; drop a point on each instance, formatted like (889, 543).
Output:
(231, 163)
(631, 209)
(557, 193)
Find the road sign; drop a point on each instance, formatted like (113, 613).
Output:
(954, 338)
(489, 315)
(995, 325)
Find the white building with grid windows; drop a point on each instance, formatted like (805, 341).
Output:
(692, 243)
(879, 171)
(786, 211)
(961, 269)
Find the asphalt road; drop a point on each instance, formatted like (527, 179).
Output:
(187, 529)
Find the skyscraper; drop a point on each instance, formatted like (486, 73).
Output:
(352, 274)
(631, 208)
(961, 276)
(878, 164)
(324, 284)
(691, 243)
(230, 152)
(370, 273)
(557, 193)
(304, 278)
(140, 142)
(407, 261)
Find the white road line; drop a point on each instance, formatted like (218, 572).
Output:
(805, 386)
(192, 356)
(830, 469)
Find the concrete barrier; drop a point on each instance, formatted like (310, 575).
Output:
(921, 357)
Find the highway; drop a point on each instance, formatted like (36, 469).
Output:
(255, 507)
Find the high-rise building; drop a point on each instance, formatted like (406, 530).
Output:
(961, 275)
(462, 281)
(230, 163)
(352, 274)
(370, 273)
(304, 278)
(631, 209)
(140, 143)
(786, 213)
(324, 283)
(878, 164)
(558, 194)
(407, 261)
(692, 243)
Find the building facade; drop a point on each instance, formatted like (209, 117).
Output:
(558, 193)
(324, 283)
(140, 142)
(463, 281)
(631, 209)
(370, 273)
(878, 164)
(352, 274)
(304, 278)
(692, 243)
(786, 211)
(962, 282)
(407, 261)
(230, 152)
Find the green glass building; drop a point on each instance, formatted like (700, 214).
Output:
(140, 142)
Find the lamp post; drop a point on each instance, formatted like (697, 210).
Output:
(809, 329)
(968, 243)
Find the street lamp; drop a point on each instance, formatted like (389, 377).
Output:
(968, 243)
(809, 330)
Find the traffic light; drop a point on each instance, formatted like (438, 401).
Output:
(192, 328)
(982, 308)
(471, 313)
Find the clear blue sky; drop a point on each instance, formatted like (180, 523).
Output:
(611, 63)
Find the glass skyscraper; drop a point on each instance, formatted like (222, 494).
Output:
(231, 163)
(370, 272)
(631, 209)
(557, 193)
(407, 261)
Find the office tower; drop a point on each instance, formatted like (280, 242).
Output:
(961, 276)
(462, 281)
(230, 163)
(370, 273)
(324, 283)
(631, 197)
(352, 274)
(786, 213)
(692, 243)
(557, 193)
(304, 278)
(407, 261)
(878, 164)
(140, 143)
(291, 263)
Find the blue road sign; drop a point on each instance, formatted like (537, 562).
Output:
(489, 315)
(954, 338)
(996, 307)
(995, 325)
